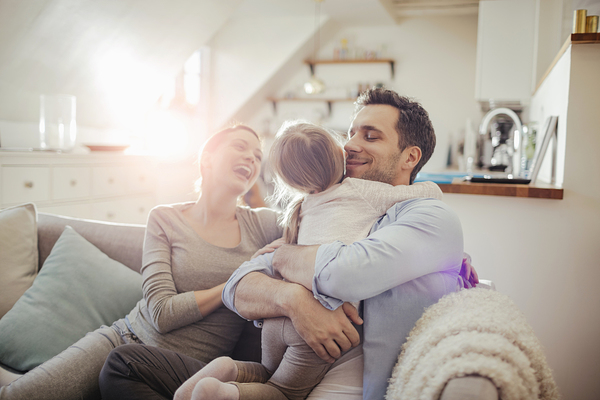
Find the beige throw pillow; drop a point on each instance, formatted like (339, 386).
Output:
(18, 253)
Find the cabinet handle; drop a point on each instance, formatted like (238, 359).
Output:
(142, 209)
(142, 178)
(29, 184)
(111, 180)
(110, 215)
(73, 182)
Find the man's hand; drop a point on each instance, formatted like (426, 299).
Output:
(468, 273)
(328, 333)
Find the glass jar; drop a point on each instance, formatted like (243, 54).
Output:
(58, 127)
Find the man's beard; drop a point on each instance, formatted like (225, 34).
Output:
(386, 172)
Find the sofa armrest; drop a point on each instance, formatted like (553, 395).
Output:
(7, 375)
(470, 388)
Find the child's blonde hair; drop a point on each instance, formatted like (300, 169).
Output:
(306, 158)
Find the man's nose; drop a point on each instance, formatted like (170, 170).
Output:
(352, 146)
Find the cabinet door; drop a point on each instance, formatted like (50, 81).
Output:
(110, 211)
(71, 182)
(25, 184)
(130, 210)
(141, 178)
(109, 181)
(69, 210)
(505, 50)
(136, 209)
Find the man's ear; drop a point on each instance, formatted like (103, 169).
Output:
(411, 157)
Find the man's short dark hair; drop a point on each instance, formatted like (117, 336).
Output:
(414, 126)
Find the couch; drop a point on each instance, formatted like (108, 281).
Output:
(123, 243)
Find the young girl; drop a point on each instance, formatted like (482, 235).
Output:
(309, 166)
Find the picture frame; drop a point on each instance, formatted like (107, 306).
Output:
(550, 131)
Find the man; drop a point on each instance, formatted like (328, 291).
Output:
(411, 258)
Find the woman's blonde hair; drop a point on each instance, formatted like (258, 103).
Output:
(305, 158)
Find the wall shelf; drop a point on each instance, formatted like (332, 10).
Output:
(391, 62)
(329, 101)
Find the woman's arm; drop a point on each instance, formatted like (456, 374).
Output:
(168, 308)
(209, 300)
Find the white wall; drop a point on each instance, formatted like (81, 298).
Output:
(545, 254)
(552, 99)
(435, 63)
(246, 53)
(84, 48)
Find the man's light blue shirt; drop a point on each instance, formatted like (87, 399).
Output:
(411, 258)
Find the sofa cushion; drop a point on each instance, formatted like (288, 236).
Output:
(78, 289)
(18, 253)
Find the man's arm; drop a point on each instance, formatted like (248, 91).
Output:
(413, 239)
(253, 293)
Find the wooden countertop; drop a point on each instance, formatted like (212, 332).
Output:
(539, 190)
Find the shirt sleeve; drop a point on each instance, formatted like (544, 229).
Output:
(262, 263)
(168, 309)
(414, 238)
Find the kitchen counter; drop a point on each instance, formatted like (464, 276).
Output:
(451, 182)
(538, 191)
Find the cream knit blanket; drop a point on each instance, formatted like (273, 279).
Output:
(474, 331)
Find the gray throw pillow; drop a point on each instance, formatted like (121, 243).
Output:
(78, 289)
(18, 253)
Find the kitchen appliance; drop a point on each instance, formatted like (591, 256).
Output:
(499, 142)
(550, 134)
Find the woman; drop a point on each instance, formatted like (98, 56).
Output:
(190, 250)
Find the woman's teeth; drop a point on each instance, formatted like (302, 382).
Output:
(243, 170)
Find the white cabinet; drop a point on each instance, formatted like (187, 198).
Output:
(23, 184)
(71, 182)
(131, 210)
(108, 181)
(505, 50)
(107, 187)
(75, 210)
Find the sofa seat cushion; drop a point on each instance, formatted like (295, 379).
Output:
(78, 289)
(18, 253)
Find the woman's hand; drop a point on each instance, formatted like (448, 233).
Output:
(271, 247)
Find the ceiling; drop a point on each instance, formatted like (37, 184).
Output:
(400, 9)
(362, 12)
